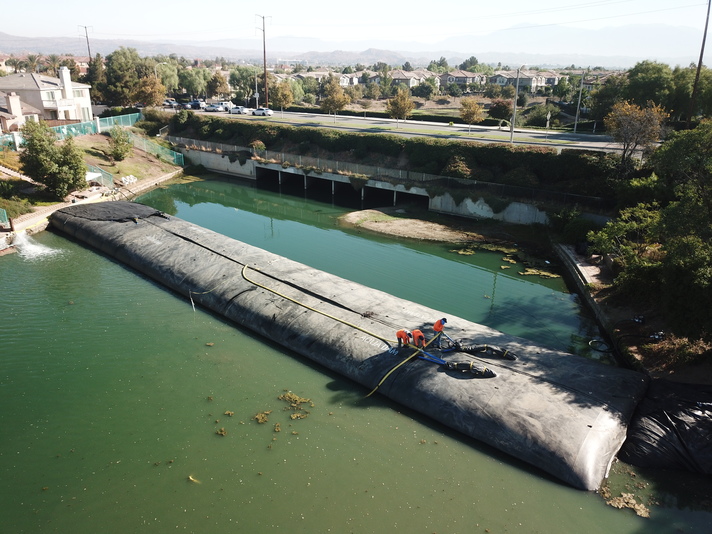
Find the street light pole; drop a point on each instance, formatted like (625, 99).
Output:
(155, 67)
(514, 115)
(578, 106)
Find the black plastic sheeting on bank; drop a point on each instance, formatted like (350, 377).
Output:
(561, 413)
(672, 428)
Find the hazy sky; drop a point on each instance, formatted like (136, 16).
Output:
(364, 19)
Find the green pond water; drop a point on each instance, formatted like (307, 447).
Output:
(113, 390)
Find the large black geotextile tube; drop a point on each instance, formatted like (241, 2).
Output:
(561, 413)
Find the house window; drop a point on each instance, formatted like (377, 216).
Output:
(49, 95)
(78, 93)
(86, 114)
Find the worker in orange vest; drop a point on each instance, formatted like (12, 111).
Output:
(404, 336)
(418, 338)
(438, 328)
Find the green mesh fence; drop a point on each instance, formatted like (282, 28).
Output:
(157, 150)
(75, 130)
(107, 123)
(8, 141)
(106, 178)
(4, 221)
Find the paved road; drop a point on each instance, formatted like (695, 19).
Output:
(411, 128)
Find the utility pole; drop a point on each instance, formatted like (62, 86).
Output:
(264, 58)
(578, 106)
(693, 98)
(514, 115)
(86, 34)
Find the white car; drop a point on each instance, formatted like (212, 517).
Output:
(214, 107)
(239, 110)
(265, 112)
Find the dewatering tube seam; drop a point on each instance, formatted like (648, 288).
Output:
(244, 275)
(390, 341)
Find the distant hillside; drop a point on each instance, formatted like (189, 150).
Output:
(549, 47)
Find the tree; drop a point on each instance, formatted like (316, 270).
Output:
(96, 77)
(150, 91)
(282, 95)
(650, 81)
(563, 89)
(500, 109)
(400, 106)
(407, 66)
(217, 85)
(439, 66)
(685, 162)
(32, 61)
(168, 74)
(492, 90)
(373, 91)
(471, 111)
(120, 144)
(14, 63)
(242, 81)
(454, 90)
(634, 127)
(194, 81)
(426, 89)
(469, 64)
(606, 96)
(121, 77)
(53, 61)
(537, 115)
(60, 168)
(335, 99)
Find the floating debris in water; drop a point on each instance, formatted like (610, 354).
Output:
(262, 417)
(221, 432)
(194, 480)
(295, 403)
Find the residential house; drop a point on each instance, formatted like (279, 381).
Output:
(55, 98)
(527, 81)
(463, 78)
(14, 113)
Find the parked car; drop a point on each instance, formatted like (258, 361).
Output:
(187, 105)
(170, 103)
(265, 112)
(239, 110)
(198, 104)
(214, 107)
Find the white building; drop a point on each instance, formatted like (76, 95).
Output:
(55, 98)
(14, 113)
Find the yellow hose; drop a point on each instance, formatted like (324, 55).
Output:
(389, 341)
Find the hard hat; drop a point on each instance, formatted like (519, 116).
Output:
(409, 334)
(444, 320)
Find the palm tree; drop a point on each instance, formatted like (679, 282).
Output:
(53, 62)
(32, 61)
(13, 62)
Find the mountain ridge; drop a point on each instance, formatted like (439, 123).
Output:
(613, 48)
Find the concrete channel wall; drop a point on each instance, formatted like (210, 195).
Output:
(515, 212)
